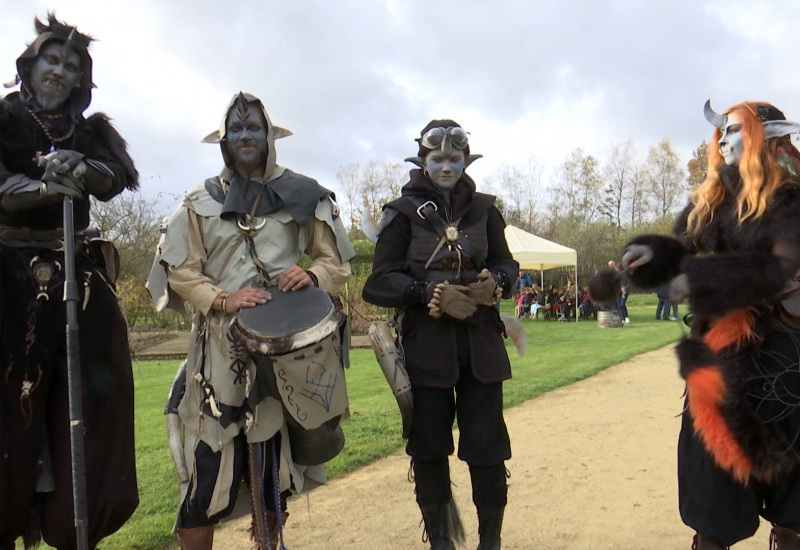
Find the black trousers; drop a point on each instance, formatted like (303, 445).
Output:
(483, 437)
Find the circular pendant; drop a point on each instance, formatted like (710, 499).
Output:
(43, 272)
(451, 233)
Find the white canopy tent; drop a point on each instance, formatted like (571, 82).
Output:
(534, 252)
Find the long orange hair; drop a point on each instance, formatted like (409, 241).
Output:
(762, 169)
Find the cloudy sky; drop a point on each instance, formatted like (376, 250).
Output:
(356, 80)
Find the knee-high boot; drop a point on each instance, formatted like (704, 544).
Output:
(699, 542)
(436, 517)
(196, 538)
(490, 523)
(784, 538)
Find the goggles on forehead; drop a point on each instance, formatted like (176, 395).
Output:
(435, 137)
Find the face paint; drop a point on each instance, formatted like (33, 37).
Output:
(54, 74)
(246, 141)
(731, 146)
(445, 169)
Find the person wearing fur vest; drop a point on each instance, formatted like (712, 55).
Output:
(735, 255)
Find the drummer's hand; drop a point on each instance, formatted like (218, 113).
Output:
(294, 278)
(246, 297)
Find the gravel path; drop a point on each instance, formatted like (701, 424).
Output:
(593, 468)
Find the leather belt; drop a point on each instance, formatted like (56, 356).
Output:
(25, 237)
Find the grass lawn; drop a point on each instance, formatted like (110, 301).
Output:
(557, 354)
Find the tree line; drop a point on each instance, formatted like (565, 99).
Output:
(590, 204)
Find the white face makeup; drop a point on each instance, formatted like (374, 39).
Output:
(54, 74)
(731, 146)
(445, 168)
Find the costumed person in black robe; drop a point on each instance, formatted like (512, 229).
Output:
(442, 260)
(48, 149)
(735, 255)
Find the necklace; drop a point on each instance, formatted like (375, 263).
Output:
(46, 130)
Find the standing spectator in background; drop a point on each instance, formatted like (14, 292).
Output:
(622, 303)
(674, 316)
(663, 303)
(523, 282)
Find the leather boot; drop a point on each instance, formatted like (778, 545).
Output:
(196, 538)
(435, 517)
(490, 523)
(783, 538)
(703, 543)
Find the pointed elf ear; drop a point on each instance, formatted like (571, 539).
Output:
(416, 160)
(213, 137)
(281, 132)
(470, 159)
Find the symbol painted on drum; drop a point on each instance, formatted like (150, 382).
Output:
(319, 385)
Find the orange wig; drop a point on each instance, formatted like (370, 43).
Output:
(762, 169)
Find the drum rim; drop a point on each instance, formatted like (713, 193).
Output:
(283, 344)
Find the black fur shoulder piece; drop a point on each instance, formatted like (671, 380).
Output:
(101, 125)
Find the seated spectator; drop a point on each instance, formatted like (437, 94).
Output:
(586, 307)
(528, 298)
(567, 305)
(518, 310)
(553, 307)
(538, 301)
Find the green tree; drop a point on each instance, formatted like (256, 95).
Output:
(698, 165)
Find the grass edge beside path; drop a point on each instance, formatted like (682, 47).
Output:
(557, 355)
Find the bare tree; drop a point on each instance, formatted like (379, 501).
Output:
(578, 187)
(667, 180)
(131, 222)
(520, 188)
(620, 172)
(369, 187)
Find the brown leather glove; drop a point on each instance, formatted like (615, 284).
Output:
(451, 300)
(484, 289)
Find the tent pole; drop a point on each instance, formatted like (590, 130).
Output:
(577, 295)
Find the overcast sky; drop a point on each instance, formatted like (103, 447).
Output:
(356, 80)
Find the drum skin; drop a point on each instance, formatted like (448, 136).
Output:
(288, 322)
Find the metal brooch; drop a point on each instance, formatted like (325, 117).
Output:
(451, 233)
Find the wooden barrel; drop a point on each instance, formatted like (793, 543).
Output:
(608, 319)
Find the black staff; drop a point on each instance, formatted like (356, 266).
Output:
(74, 380)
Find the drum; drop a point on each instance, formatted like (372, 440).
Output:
(288, 322)
(299, 332)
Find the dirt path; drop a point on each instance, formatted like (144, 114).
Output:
(593, 468)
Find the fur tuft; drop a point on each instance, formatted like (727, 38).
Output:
(703, 387)
(706, 384)
(454, 526)
(733, 329)
(516, 332)
(692, 354)
(605, 285)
